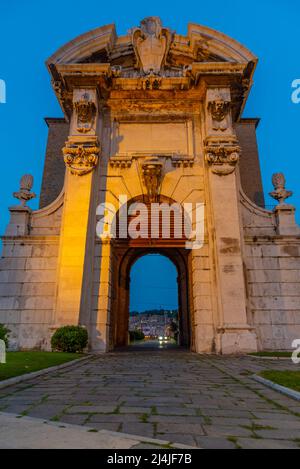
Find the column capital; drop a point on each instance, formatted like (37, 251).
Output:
(222, 151)
(81, 155)
(222, 154)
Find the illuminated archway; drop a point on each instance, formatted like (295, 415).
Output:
(125, 253)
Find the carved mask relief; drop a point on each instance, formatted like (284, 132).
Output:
(219, 109)
(86, 112)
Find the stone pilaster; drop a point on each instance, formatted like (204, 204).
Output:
(222, 155)
(81, 154)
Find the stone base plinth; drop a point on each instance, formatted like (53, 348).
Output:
(19, 221)
(285, 220)
(236, 340)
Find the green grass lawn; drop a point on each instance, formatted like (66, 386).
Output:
(289, 379)
(272, 354)
(20, 363)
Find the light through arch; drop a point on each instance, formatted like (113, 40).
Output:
(154, 301)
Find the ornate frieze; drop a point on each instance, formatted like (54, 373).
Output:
(280, 193)
(120, 161)
(222, 155)
(81, 157)
(151, 43)
(182, 161)
(86, 112)
(177, 160)
(152, 176)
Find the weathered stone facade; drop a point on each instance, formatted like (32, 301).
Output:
(153, 116)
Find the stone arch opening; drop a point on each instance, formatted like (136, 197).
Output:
(125, 252)
(153, 304)
(121, 298)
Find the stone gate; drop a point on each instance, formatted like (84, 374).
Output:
(156, 117)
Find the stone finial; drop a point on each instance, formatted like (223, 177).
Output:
(25, 194)
(280, 193)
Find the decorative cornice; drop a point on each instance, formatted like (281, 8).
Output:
(125, 160)
(120, 161)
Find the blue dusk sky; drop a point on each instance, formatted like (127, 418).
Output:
(32, 30)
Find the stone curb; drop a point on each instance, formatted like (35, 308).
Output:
(134, 439)
(35, 374)
(277, 387)
(144, 439)
(270, 358)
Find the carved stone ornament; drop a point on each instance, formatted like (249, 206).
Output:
(64, 97)
(152, 82)
(25, 194)
(222, 156)
(151, 43)
(81, 159)
(280, 193)
(219, 109)
(152, 174)
(86, 113)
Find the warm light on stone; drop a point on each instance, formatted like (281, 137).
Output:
(158, 121)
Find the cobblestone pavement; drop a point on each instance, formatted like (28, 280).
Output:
(174, 395)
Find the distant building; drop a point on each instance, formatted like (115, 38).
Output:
(154, 324)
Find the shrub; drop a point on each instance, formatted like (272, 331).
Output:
(136, 335)
(72, 339)
(4, 332)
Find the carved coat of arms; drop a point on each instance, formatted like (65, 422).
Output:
(151, 43)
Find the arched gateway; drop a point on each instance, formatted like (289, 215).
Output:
(153, 118)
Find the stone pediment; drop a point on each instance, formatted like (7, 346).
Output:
(150, 58)
(151, 46)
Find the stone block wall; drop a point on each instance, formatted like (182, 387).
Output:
(27, 287)
(273, 272)
(272, 269)
(202, 298)
(101, 297)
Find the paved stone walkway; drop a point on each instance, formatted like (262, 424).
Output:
(174, 395)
